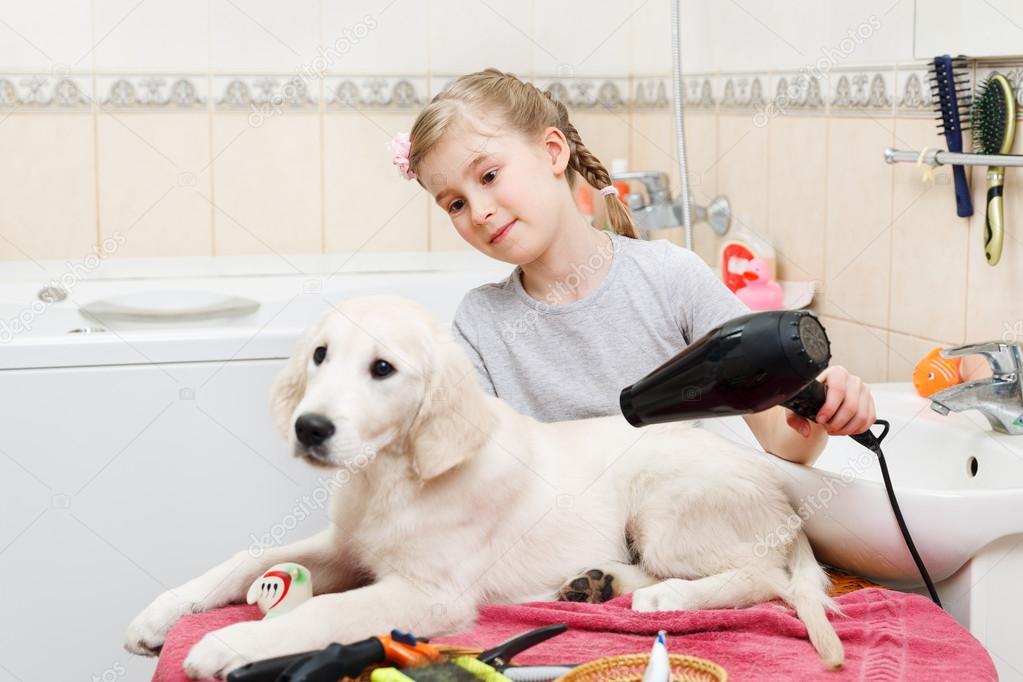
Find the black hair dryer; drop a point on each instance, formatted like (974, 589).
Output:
(748, 364)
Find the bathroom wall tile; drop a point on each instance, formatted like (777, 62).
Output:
(857, 246)
(797, 30)
(49, 206)
(929, 245)
(261, 36)
(463, 36)
(368, 207)
(744, 34)
(157, 37)
(154, 183)
(652, 140)
(963, 27)
(994, 306)
(376, 37)
(607, 134)
(597, 44)
(904, 352)
(742, 169)
(46, 37)
(651, 25)
(654, 148)
(650, 37)
(653, 144)
(861, 349)
(867, 32)
(266, 184)
(797, 211)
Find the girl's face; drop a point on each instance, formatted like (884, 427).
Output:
(501, 192)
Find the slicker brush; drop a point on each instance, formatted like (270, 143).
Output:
(993, 126)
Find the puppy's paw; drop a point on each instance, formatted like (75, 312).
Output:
(593, 586)
(147, 631)
(221, 651)
(668, 595)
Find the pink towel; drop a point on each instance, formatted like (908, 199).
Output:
(888, 635)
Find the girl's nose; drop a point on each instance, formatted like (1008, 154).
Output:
(481, 215)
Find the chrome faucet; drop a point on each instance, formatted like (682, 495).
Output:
(658, 210)
(999, 398)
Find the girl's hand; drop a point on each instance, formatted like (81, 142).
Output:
(848, 409)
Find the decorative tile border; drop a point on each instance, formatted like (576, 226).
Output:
(902, 90)
(152, 92)
(281, 92)
(587, 93)
(651, 93)
(32, 92)
(913, 92)
(376, 92)
(861, 91)
(799, 91)
(743, 91)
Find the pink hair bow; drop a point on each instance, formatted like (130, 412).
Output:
(400, 146)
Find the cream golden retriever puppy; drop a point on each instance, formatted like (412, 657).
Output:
(458, 501)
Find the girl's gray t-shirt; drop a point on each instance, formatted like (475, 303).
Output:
(557, 362)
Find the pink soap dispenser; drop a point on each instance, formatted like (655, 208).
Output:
(761, 292)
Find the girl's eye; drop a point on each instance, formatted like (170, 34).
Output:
(489, 174)
(319, 355)
(455, 206)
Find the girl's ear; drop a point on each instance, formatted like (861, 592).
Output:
(557, 147)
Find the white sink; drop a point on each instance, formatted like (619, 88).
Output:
(958, 483)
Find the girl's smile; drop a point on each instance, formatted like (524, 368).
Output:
(499, 235)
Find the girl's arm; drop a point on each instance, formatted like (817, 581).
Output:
(772, 430)
(848, 409)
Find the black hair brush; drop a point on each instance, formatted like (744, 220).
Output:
(950, 90)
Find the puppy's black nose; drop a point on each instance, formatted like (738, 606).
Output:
(312, 429)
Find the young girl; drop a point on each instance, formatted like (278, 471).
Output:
(586, 312)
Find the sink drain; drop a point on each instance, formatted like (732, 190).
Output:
(971, 466)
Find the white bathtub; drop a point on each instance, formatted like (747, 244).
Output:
(134, 458)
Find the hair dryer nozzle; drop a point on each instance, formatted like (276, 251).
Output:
(748, 364)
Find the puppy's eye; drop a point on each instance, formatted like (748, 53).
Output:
(381, 369)
(319, 355)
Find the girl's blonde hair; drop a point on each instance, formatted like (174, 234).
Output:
(524, 108)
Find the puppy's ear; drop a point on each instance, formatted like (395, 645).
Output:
(454, 421)
(289, 387)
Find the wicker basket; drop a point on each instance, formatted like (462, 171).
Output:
(630, 668)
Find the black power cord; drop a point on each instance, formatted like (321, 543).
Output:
(873, 443)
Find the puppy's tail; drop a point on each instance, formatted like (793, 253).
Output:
(808, 595)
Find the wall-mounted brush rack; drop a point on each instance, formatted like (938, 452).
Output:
(940, 157)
